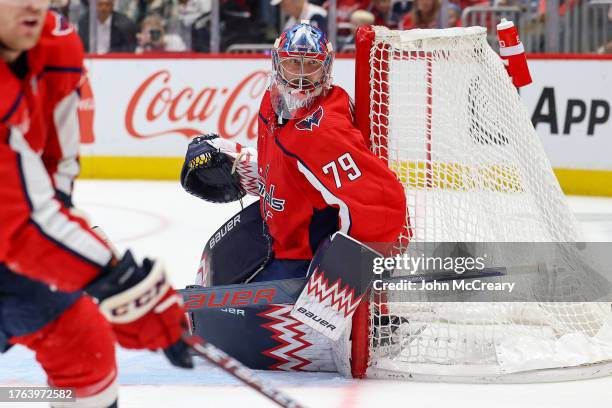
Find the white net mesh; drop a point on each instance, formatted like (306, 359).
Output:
(448, 121)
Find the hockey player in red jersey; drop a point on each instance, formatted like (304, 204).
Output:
(48, 256)
(315, 173)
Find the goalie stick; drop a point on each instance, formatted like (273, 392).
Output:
(219, 358)
(340, 276)
(236, 369)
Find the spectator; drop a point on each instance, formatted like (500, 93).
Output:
(469, 3)
(238, 25)
(188, 12)
(153, 38)
(346, 8)
(77, 9)
(115, 31)
(61, 6)
(387, 13)
(73, 10)
(138, 10)
(299, 10)
(424, 14)
(508, 3)
(564, 5)
(358, 18)
(361, 17)
(454, 15)
(605, 49)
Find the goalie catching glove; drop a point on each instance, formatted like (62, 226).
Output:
(218, 170)
(143, 309)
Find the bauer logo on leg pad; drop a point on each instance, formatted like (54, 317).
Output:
(316, 318)
(340, 274)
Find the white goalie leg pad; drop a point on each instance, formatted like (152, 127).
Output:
(341, 352)
(138, 300)
(335, 289)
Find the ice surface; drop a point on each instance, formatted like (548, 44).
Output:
(159, 219)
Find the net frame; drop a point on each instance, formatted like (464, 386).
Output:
(372, 118)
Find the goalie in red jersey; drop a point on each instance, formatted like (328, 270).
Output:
(315, 175)
(52, 266)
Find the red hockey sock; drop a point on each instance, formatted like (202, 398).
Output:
(77, 350)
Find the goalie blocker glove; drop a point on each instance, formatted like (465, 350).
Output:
(218, 170)
(142, 307)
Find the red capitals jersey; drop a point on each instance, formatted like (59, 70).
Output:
(39, 142)
(41, 100)
(317, 177)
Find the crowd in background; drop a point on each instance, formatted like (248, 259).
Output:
(185, 25)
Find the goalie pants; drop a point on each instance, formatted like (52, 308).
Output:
(73, 342)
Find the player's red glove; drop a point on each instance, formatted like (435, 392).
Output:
(144, 310)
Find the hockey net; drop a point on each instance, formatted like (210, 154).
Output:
(440, 109)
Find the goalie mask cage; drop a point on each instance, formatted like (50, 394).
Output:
(439, 108)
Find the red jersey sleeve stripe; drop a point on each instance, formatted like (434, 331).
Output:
(344, 214)
(45, 210)
(54, 68)
(330, 198)
(66, 122)
(13, 108)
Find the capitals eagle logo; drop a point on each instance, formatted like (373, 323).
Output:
(313, 120)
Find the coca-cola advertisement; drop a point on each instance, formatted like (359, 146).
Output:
(152, 107)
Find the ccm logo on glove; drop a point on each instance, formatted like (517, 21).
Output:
(135, 302)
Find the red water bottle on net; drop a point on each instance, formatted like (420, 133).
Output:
(512, 51)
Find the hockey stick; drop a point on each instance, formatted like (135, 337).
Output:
(221, 359)
(235, 368)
